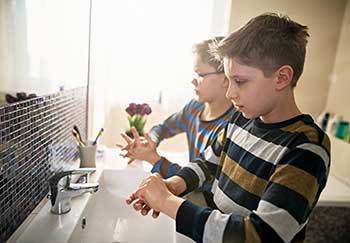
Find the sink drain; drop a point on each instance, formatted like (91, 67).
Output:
(83, 223)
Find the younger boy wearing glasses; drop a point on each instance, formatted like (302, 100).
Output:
(201, 119)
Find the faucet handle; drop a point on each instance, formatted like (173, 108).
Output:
(53, 181)
(83, 171)
(80, 186)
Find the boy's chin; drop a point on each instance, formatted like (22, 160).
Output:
(248, 115)
(200, 99)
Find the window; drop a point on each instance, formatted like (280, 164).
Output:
(141, 50)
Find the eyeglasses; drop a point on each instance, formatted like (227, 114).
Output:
(202, 75)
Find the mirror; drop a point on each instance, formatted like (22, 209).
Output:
(44, 46)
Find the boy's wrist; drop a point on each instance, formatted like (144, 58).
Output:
(154, 158)
(176, 185)
(171, 205)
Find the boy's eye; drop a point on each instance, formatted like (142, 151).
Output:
(239, 81)
(197, 75)
(203, 75)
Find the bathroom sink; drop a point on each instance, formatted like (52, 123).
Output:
(102, 216)
(107, 217)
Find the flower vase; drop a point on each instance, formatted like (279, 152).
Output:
(137, 117)
(129, 133)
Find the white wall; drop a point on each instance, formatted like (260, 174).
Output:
(339, 92)
(339, 100)
(324, 19)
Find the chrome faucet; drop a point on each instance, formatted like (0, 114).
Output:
(63, 190)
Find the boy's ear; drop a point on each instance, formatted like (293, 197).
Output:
(284, 76)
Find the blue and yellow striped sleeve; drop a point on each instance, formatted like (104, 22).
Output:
(173, 125)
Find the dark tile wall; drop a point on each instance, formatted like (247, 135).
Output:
(35, 142)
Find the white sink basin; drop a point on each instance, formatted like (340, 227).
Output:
(109, 219)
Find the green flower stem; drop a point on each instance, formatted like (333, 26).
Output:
(138, 122)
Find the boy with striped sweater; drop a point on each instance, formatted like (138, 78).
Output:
(271, 162)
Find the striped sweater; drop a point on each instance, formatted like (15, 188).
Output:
(200, 134)
(268, 178)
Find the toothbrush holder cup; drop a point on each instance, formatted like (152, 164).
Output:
(87, 155)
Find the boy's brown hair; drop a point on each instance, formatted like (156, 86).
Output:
(203, 49)
(267, 42)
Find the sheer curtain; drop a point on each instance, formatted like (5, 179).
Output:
(141, 52)
(13, 49)
(43, 45)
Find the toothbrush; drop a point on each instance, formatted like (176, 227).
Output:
(98, 135)
(76, 135)
(75, 127)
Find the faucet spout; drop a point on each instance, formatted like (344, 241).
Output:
(63, 191)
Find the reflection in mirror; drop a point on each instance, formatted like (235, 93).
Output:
(43, 46)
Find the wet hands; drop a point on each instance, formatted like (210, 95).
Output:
(151, 194)
(158, 194)
(141, 148)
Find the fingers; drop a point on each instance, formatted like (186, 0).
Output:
(120, 146)
(130, 161)
(145, 210)
(155, 214)
(135, 134)
(127, 155)
(124, 147)
(159, 176)
(137, 196)
(139, 205)
(149, 140)
(131, 198)
(127, 138)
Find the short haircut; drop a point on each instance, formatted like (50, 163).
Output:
(267, 42)
(203, 50)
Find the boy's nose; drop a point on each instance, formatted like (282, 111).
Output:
(232, 92)
(194, 82)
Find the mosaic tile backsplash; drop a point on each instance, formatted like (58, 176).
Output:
(35, 142)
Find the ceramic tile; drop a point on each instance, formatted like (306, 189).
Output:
(35, 142)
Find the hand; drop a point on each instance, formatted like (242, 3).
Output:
(129, 145)
(141, 205)
(156, 193)
(176, 185)
(152, 193)
(142, 148)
